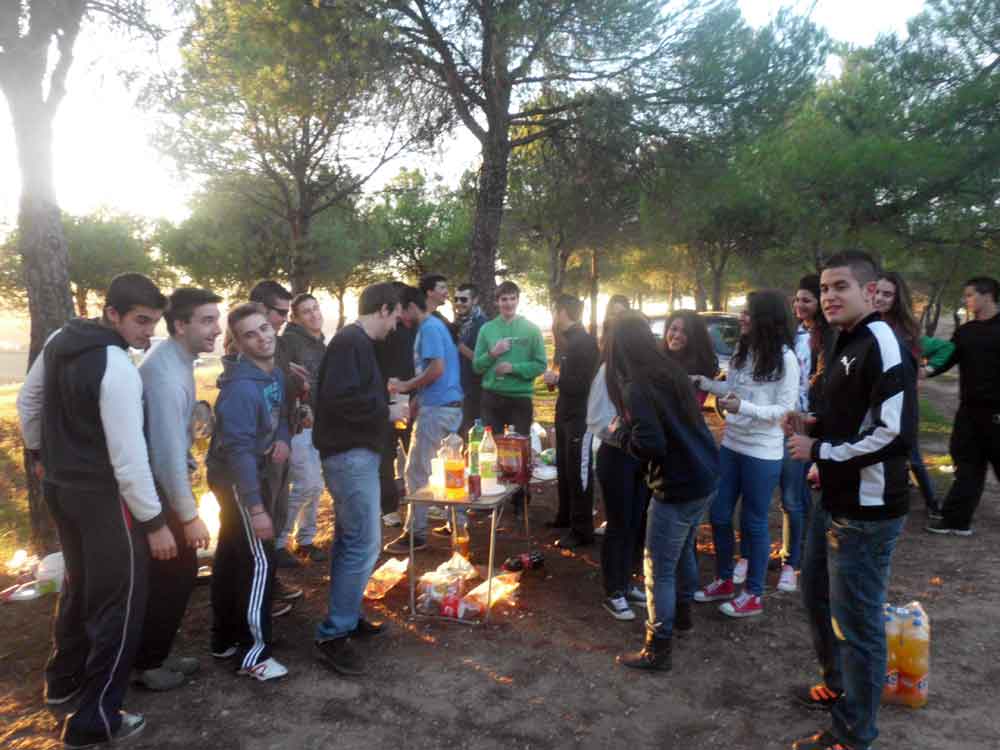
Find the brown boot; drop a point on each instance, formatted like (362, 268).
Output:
(654, 655)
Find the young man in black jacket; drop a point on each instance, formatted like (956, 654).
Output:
(578, 359)
(353, 417)
(81, 414)
(860, 439)
(975, 438)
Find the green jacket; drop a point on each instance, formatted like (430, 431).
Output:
(935, 351)
(527, 355)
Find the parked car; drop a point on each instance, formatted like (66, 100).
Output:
(724, 330)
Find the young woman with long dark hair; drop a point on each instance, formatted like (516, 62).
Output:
(811, 336)
(623, 489)
(687, 342)
(762, 385)
(893, 301)
(661, 425)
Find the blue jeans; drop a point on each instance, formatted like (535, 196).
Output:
(755, 479)
(305, 473)
(923, 478)
(433, 424)
(671, 567)
(845, 575)
(794, 502)
(352, 478)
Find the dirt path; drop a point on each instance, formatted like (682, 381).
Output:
(543, 676)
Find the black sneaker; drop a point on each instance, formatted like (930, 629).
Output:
(819, 741)
(367, 628)
(313, 553)
(340, 655)
(285, 593)
(285, 559)
(818, 697)
(401, 545)
(280, 608)
(132, 724)
(940, 526)
(572, 540)
(55, 698)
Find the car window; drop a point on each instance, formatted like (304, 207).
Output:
(725, 334)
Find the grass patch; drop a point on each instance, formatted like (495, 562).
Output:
(15, 524)
(932, 421)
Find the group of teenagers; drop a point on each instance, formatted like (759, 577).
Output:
(112, 445)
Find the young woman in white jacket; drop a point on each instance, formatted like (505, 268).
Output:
(762, 385)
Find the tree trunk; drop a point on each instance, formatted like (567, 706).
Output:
(341, 316)
(299, 271)
(595, 278)
(490, 196)
(42, 246)
(81, 301)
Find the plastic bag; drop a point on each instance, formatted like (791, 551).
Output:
(388, 575)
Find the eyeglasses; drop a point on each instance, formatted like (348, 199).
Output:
(282, 311)
(463, 299)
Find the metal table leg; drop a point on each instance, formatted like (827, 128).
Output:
(489, 569)
(411, 573)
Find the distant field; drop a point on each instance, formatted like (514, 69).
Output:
(13, 365)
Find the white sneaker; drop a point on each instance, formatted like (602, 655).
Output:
(392, 519)
(436, 513)
(788, 581)
(619, 608)
(740, 571)
(269, 669)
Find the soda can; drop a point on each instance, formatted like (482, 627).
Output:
(475, 486)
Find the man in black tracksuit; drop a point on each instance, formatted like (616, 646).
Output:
(81, 411)
(578, 361)
(861, 441)
(975, 438)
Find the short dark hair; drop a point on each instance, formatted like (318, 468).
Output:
(862, 265)
(130, 290)
(376, 296)
(507, 287)
(430, 280)
(242, 312)
(298, 299)
(182, 304)
(268, 291)
(416, 296)
(468, 286)
(984, 285)
(572, 305)
(810, 282)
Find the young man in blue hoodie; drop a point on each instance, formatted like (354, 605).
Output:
(249, 435)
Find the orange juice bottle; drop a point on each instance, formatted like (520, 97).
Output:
(893, 629)
(454, 467)
(914, 662)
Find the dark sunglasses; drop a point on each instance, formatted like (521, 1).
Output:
(462, 299)
(282, 311)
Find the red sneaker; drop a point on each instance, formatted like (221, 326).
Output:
(745, 605)
(716, 591)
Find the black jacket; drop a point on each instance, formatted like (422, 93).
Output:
(977, 352)
(352, 403)
(302, 348)
(866, 424)
(683, 458)
(578, 360)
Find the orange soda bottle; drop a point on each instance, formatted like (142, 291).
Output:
(914, 661)
(893, 629)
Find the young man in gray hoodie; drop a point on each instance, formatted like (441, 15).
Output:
(169, 399)
(250, 435)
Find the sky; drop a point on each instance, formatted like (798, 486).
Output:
(104, 157)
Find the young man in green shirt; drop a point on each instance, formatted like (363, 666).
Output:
(510, 354)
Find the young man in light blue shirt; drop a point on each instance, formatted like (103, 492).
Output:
(437, 402)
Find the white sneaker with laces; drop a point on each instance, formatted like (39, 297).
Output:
(269, 669)
(740, 571)
(788, 581)
(392, 519)
(619, 608)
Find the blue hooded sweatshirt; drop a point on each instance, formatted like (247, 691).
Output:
(247, 424)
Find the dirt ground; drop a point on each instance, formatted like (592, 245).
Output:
(542, 675)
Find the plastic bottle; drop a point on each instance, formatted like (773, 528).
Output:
(525, 561)
(387, 576)
(460, 538)
(454, 467)
(475, 440)
(488, 463)
(893, 628)
(914, 661)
